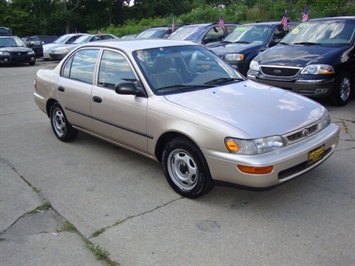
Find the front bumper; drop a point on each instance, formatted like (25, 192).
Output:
(55, 56)
(17, 59)
(288, 163)
(311, 88)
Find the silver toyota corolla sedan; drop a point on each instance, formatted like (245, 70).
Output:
(179, 104)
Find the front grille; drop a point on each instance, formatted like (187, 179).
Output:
(303, 133)
(280, 71)
(18, 53)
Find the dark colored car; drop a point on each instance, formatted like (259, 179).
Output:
(162, 32)
(36, 43)
(13, 51)
(205, 33)
(5, 31)
(316, 59)
(248, 40)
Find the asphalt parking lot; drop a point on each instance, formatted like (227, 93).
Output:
(99, 199)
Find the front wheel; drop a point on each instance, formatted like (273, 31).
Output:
(342, 90)
(60, 125)
(186, 169)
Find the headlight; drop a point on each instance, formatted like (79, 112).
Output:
(30, 52)
(4, 53)
(254, 65)
(60, 51)
(324, 121)
(234, 57)
(318, 69)
(254, 146)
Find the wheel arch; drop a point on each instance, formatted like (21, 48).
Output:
(49, 105)
(164, 139)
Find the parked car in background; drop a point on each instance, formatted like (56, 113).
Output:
(247, 41)
(178, 103)
(36, 43)
(156, 32)
(316, 59)
(64, 39)
(60, 52)
(129, 36)
(5, 31)
(14, 51)
(205, 33)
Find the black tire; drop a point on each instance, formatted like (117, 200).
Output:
(186, 169)
(60, 125)
(342, 90)
(32, 63)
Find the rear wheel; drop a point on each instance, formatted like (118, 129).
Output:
(186, 169)
(342, 90)
(60, 125)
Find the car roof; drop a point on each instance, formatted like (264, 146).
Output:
(267, 23)
(334, 18)
(131, 45)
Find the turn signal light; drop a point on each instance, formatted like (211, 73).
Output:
(256, 170)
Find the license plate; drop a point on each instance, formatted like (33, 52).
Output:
(315, 155)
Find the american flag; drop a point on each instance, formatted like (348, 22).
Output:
(173, 26)
(98, 32)
(284, 20)
(221, 21)
(305, 14)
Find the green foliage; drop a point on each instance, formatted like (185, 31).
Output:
(56, 17)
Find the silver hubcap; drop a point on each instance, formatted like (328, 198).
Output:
(182, 169)
(58, 121)
(345, 89)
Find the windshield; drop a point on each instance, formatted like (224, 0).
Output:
(62, 39)
(82, 39)
(332, 33)
(151, 33)
(187, 33)
(249, 34)
(12, 42)
(183, 68)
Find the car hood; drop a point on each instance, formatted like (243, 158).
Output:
(15, 49)
(299, 55)
(227, 48)
(258, 110)
(49, 46)
(66, 46)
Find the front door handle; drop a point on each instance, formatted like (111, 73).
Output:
(60, 88)
(96, 99)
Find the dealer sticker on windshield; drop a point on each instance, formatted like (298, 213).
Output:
(315, 155)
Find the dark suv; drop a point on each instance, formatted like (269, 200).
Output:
(248, 40)
(316, 59)
(205, 33)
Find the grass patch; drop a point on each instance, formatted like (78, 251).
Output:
(45, 206)
(101, 254)
(67, 227)
(98, 232)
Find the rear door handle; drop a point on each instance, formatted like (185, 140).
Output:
(96, 99)
(60, 88)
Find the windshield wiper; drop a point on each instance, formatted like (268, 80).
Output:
(222, 80)
(242, 42)
(184, 86)
(306, 43)
(284, 43)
